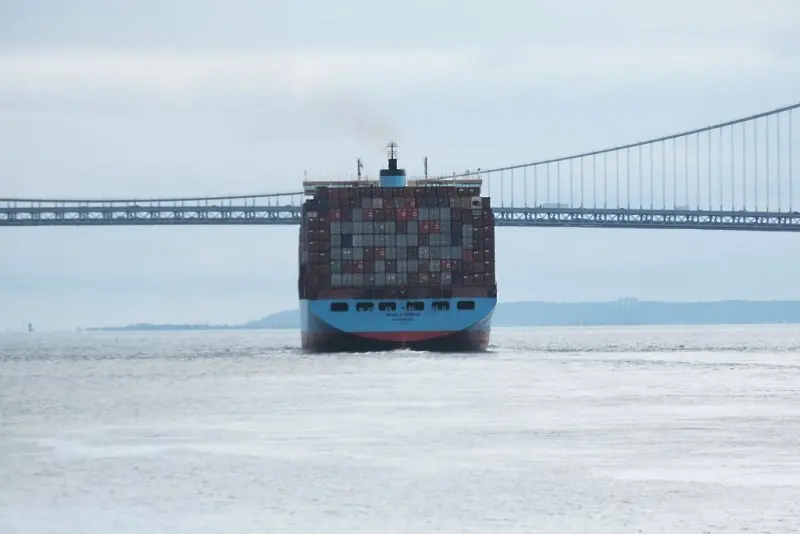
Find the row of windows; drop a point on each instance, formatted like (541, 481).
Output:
(411, 305)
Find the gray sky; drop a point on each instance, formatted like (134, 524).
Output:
(147, 98)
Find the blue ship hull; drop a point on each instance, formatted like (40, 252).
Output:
(339, 326)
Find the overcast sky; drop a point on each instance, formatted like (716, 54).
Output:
(149, 98)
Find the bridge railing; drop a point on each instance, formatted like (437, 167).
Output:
(265, 200)
(281, 208)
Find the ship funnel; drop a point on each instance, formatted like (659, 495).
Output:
(392, 176)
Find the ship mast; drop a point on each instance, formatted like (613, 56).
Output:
(392, 146)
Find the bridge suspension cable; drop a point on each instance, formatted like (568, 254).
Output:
(746, 165)
(655, 140)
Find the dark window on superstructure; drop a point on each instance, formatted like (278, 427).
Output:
(415, 306)
(441, 305)
(466, 305)
(339, 306)
(387, 306)
(364, 306)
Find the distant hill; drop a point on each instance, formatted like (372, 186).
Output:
(284, 319)
(636, 312)
(535, 313)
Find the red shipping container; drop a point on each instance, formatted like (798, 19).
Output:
(437, 228)
(468, 256)
(402, 214)
(424, 227)
(414, 214)
(369, 215)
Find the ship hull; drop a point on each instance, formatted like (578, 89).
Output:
(454, 330)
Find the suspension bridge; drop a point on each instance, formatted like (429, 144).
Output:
(735, 175)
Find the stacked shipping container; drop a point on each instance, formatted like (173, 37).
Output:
(364, 241)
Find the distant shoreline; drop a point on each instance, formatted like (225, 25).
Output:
(622, 312)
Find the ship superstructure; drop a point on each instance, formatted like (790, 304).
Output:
(396, 263)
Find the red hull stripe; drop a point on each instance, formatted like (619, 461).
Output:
(402, 336)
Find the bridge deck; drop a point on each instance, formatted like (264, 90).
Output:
(35, 213)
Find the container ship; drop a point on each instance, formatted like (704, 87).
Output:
(396, 263)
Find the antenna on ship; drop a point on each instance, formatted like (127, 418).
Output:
(426, 167)
(360, 168)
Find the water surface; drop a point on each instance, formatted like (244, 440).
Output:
(609, 430)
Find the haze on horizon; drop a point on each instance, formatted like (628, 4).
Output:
(199, 97)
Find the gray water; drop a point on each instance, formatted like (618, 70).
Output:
(608, 430)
